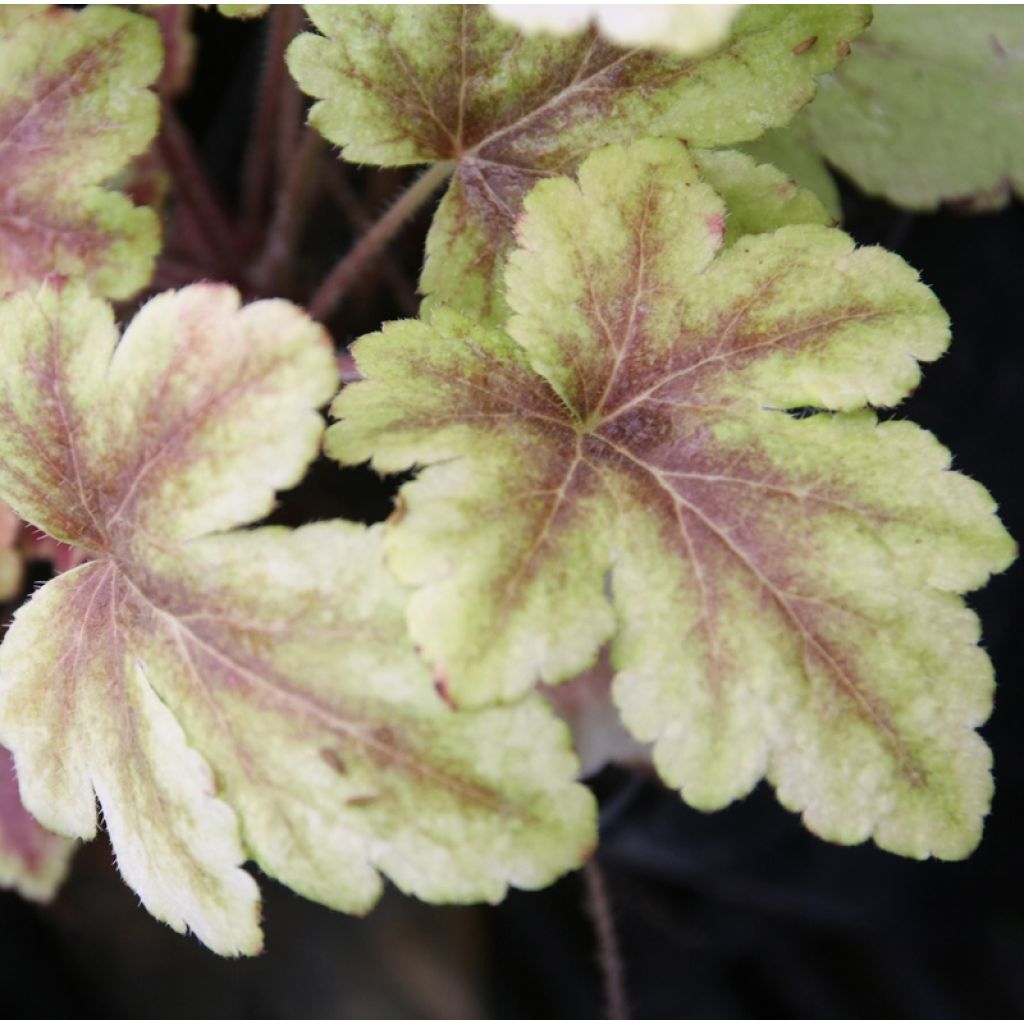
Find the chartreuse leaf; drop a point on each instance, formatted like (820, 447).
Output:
(32, 860)
(780, 591)
(237, 694)
(929, 106)
(759, 197)
(243, 11)
(12, 571)
(418, 84)
(74, 109)
(789, 150)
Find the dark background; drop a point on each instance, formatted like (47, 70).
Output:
(737, 914)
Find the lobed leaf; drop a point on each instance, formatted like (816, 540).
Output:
(32, 860)
(620, 464)
(418, 84)
(74, 109)
(231, 694)
(929, 106)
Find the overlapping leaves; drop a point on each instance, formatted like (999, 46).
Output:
(32, 860)
(74, 109)
(418, 84)
(618, 464)
(246, 693)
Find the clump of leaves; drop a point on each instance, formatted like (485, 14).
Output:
(639, 403)
(511, 111)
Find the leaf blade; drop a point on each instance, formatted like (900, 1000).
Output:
(780, 592)
(239, 693)
(75, 110)
(514, 110)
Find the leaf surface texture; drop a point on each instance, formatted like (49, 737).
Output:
(416, 84)
(629, 461)
(74, 110)
(237, 694)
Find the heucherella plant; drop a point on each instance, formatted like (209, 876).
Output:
(638, 406)
(619, 464)
(926, 110)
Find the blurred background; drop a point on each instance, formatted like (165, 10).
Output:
(737, 914)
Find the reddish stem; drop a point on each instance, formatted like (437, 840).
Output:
(368, 248)
(341, 191)
(259, 156)
(292, 200)
(193, 189)
(608, 956)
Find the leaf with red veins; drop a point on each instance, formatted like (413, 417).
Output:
(417, 84)
(74, 110)
(781, 593)
(238, 694)
(32, 860)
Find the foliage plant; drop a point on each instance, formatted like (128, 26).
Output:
(637, 410)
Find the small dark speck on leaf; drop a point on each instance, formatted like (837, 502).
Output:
(333, 760)
(362, 800)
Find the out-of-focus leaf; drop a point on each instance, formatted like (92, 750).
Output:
(930, 105)
(32, 860)
(685, 29)
(74, 109)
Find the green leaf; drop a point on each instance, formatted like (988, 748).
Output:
(780, 591)
(32, 860)
(929, 106)
(74, 109)
(243, 11)
(418, 84)
(12, 571)
(249, 693)
(791, 152)
(759, 197)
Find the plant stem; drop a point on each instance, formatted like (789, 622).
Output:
(340, 279)
(291, 104)
(293, 198)
(608, 956)
(259, 156)
(339, 189)
(194, 190)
